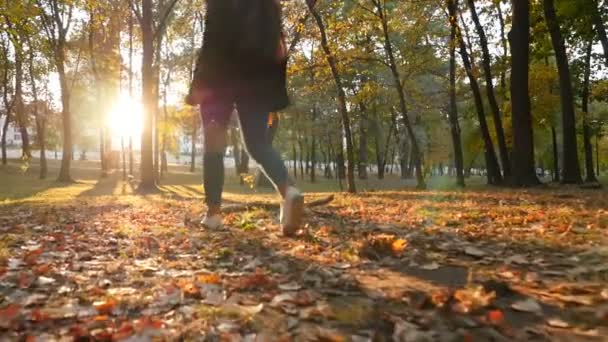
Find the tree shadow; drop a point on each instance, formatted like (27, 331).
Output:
(106, 186)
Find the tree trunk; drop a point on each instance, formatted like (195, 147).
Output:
(193, 144)
(164, 167)
(589, 167)
(556, 175)
(496, 113)
(388, 48)
(572, 171)
(313, 148)
(600, 28)
(131, 87)
(4, 131)
(20, 115)
(66, 158)
(505, 49)
(363, 147)
(494, 176)
(341, 99)
(597, 154)
(148, 181)
(523, 170)
(40, 121)
(294, 157)
(453, 113)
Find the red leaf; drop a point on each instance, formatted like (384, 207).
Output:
(32, 256)
(496, 317)
(10, 312)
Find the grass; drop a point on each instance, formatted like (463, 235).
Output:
(19, 183)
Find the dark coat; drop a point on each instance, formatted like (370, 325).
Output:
(239, 63)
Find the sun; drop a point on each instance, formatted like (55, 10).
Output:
(126, 118)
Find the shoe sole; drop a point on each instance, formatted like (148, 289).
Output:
(296, 215)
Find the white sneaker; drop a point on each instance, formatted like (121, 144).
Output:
(292, 211)
(212, 222)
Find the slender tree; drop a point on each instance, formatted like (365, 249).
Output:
(600, 27)
(571, 169)
(453, 111)
(496, 112)
(494, 175)
(57, 20)
(382, 14)
(590, 173)
(331, 60)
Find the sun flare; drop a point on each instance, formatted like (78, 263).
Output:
(125, 120)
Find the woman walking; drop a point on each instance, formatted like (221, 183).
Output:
(242, 66)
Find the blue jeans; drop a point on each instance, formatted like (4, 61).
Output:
(254, 130)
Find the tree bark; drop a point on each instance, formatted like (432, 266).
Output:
(148, 181)
(4, 130)
(40, 121)
(572, 172)
(505, 49)
(589, 167)
(523, 170)
(20, 115)
(600, 28)
(453, 114)
(496, 112)
(66, 158)
(341, 99)
(7, 105)
(363, 131)
(313, 148)
(193, 144)
(556, 172)
(494, 176)
(388, 48)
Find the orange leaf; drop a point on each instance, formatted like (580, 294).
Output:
(149, 323)
(399, 245)
(10, 312)
(496, 317)
(25, 280)
(106, 306)
(32, 256)
(209, 279)
(101, 318)
(39, 316)
(125, 331)
(3, 270)
(42, 269)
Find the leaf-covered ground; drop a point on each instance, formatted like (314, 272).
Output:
(475, 265)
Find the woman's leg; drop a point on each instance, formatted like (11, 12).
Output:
(215, 120)
(254, 128)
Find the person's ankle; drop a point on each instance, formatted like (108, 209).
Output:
(214, 210)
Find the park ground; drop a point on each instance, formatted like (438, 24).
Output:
(94, 261)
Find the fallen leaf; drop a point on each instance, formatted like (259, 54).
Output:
(10, 312)
(516, 259)
(31, 257)
(291, 286)
(528, 305)
(430, 266)
(558, 323)
(474, 251)
(209, 279)
(106, 306)
(399, 246)
(496, 317)
(43, 281)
